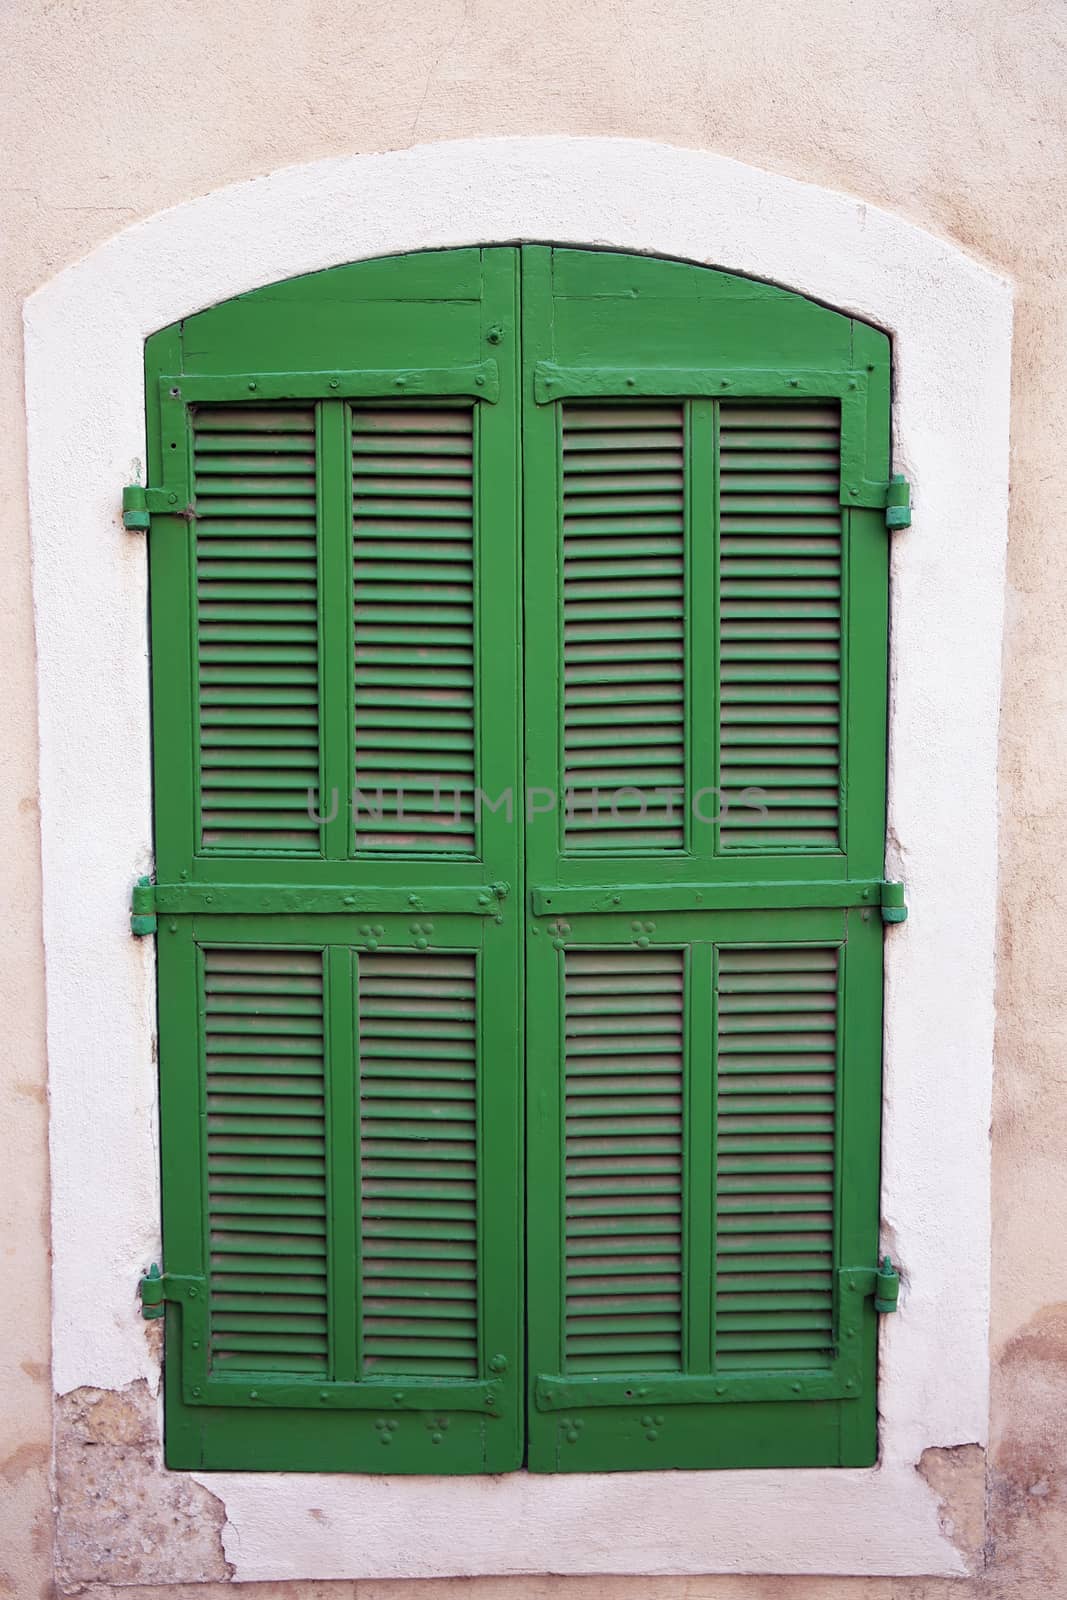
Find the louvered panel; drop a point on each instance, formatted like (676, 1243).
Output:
(413, 551)
(623, 626)
(623, 1185)
(257, 626)
(266, 1160)
(780, 621)
(776, 1111)
(419, 1163)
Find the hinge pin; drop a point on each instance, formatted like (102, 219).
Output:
(898, 503)
(152, 1287)
(135, 515)
(886, 1287)
(894, 906)
(143, 908)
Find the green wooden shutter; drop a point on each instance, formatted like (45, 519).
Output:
(695, 867)
(706, 613)
(333, 602)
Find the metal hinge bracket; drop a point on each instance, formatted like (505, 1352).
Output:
(156, 1286)
(894, 907)
(875, 494)
(140, 504)
(882, 1282)
(143, 919)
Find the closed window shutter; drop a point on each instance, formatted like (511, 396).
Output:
(704, 1062)
(667, 837)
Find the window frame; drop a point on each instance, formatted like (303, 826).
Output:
(950, 319)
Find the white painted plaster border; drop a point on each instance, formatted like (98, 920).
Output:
(951, 323)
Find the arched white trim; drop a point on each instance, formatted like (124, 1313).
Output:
(950, 319)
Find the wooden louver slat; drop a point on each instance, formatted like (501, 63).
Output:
(257, 627)
(413, 552)
(623, 1149)
(776, 1116)
(419, 1163)
(266, 1160)
(623, 626)
(780, 623)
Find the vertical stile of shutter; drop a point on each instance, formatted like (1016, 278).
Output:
(624, 1025)
(623, 620)
(257, 626)
(780, 622)
(419, 1162)
(413, 552)
(266, 1160)
(775, 1144)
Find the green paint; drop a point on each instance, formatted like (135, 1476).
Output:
(358, 1271)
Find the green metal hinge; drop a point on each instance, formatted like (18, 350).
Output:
(143, 908)
(898, 502)
(883, 1282)
(894, 908)
(135, 513)
(156, 1286)
(139, 504)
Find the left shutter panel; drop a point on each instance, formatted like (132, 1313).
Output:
(257, 627)
(341, 1243)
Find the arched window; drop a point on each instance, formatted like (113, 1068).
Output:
(519, 677)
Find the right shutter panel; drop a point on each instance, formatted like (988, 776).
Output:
(257, 630)
(780, 618)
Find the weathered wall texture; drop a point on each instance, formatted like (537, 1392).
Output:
(953, 115)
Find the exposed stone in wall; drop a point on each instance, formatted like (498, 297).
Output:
(121, 1520)
(956, 1473)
